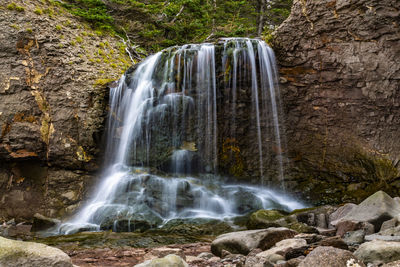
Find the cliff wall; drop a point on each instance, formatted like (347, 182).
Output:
(340, 75)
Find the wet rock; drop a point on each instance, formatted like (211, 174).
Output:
(378, 251)
(199, 226)
(263, 219)
(18, 253)
(376, 209)
(167, 261)
(41, 222)
(330, 256)
(246, 201)
(244, 241)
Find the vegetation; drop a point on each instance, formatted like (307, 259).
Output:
(156, 24)
(15, 7)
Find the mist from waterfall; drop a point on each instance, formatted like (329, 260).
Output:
(162, 149)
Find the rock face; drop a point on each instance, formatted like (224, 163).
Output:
(340, 77)
(18, 253)
(52, 107)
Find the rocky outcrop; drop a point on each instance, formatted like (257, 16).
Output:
(19, 253)
(339, 79)
(53, 73)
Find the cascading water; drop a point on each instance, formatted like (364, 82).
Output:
(165, 115)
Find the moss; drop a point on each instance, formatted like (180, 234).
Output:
(58, 27)
(38, 11)
(15, 26)
(13, 6)
(264, 219)
(103, 82)
(29, 30)
(79, 39)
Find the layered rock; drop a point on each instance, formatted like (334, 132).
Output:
(52, 106)
(339, 79)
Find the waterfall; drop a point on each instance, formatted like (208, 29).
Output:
(164, 135)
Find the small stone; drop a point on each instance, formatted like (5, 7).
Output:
(205, 255)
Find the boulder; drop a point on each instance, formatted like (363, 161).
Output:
(243, 242)
(348, 226)
(283, 247)
(330, 256)
(378, 251)
(341, 212)
(167, 261)
(390, 234)
(354, 237)
(262, 219)
(29, 254)
(376, 209)
(41, 222)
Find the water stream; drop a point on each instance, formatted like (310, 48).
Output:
(164, 137)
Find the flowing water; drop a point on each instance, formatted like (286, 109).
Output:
(165, 118)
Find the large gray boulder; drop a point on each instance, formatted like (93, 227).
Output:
(284, 246)
(376, 209)
(168, 261)
(243, 242)
(378, 251)
(29, 254)
(330, 256)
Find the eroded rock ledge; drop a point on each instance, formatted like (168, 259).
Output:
(52, 106)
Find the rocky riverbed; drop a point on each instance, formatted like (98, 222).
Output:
(366, 234)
